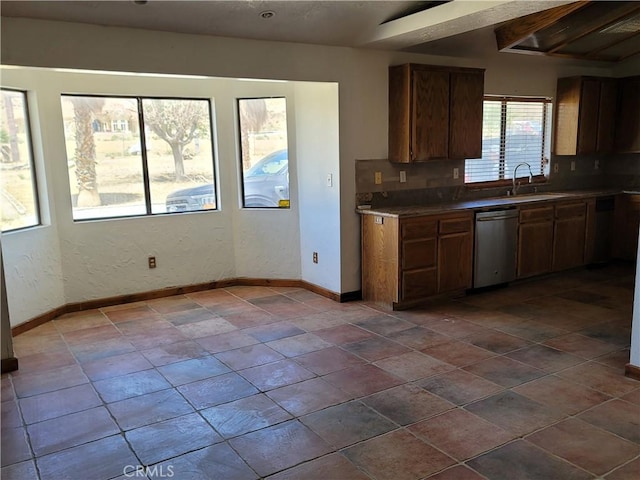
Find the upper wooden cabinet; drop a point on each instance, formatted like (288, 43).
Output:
(434, 113)
(585, 115)
(628, 125)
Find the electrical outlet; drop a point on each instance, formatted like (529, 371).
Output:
(556, 168)
(456, 173)
(329, 180)
(573, 165)
(403, 176)
(315, 257)
(596, 164)
(152, 262)
(377, 178)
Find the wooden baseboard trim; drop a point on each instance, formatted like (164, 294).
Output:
(169, 292)
(632, 371)
(9, 364)
(39, 320)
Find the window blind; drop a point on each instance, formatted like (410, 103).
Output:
(514, 130)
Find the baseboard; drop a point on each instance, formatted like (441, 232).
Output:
(632, 371)
(169, 292)
(40, 320)
(9, 364)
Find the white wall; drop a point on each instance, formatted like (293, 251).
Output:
(361, 76)
(317, 135)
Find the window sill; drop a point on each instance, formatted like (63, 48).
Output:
(537, 180)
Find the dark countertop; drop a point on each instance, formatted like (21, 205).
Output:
(486, 203)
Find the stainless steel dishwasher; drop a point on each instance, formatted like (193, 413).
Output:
(495, 247)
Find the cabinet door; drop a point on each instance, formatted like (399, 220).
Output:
(535, 241)
(465, 125)
(568, 243)
(588, 123)
(607, 116)
(417, 284)
(628, 125)
(455, 260)
(627, 224)
(380, 252)
(430, 115)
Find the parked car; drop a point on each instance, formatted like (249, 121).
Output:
(265, 185)
(135, 149)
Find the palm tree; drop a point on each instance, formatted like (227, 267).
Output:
(253, 115)
(12, 128)
(84, 109)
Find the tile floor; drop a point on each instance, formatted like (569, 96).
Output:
(252, 382)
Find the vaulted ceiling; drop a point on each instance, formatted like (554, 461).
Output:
(450, 27)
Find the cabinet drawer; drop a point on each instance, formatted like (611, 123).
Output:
(455, 225)
(419, 253)
(419, 283)
(569, 211)
(536, 214)
(418, 228)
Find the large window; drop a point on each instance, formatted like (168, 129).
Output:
(138, 156)
(263, 144)
(514, 131)
(18, 194)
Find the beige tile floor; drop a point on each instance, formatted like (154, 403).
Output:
(254, 382)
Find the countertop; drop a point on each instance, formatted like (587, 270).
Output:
(486, 203)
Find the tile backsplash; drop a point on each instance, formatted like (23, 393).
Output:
(434, 182)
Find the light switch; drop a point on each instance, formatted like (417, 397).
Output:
(377, 178)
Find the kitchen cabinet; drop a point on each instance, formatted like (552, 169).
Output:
(627, 224)
(569, 235)
(419, 256)
(627, 137)
(585, 115)
(405, 261)
(535, 240)
(434, 113)
(455, 254)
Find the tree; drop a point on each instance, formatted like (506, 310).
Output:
(84, 109)
(253, 115)
(11, 126)
(176, 122)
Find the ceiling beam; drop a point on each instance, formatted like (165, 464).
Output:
(449, 19)
(511, 33)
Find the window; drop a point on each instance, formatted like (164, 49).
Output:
(138, 156)
(514, 131)
(18, 193)
(263, 145)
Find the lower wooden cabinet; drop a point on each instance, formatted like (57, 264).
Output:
(455, 255)
(405, 261)
(535, 241)
(627, 224)
(569, 235)
(551, 238)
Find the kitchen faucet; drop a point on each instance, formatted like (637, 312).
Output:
(514, 189)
